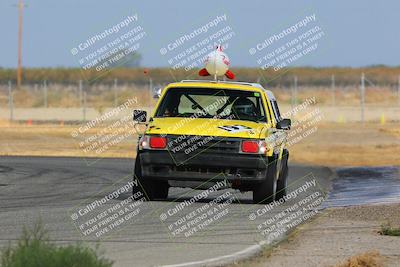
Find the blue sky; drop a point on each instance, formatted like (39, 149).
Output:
(356, 33)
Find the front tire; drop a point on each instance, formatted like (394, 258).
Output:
(264, 192)
(150, 189)
(283, 176)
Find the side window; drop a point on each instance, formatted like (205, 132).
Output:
(273, 111)
(258, 105)
(276, 109)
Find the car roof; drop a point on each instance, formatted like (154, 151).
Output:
(221, 84)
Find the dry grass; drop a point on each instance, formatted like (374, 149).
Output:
(392, 131)
(349, 144)
(367, 259)
(56, 140)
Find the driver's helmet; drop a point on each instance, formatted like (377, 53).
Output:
(244, 106)
(172, 105)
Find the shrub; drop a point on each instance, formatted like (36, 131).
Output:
(387, 229)
(34, 249)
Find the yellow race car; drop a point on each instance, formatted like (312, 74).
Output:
(205, 132)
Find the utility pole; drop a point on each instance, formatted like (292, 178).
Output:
(19, 71)
(362, 96)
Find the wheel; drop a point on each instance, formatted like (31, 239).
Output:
(142, 186)
(281, 189)
(150, 189)
(264, 192)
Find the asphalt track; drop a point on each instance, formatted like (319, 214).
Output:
(56, 189)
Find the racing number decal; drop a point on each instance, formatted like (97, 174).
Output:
(235, 128)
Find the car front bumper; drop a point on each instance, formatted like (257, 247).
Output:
(162, 165)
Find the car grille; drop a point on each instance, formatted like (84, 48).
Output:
(190, 144)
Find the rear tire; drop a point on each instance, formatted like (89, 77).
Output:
(264, 192)
(150, 189)
(281, 189)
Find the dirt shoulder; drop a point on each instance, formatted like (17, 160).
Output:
(334, 236)
(58, 140)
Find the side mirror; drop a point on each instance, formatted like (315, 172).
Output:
(139, 115)
(284, 124)
(157, 93)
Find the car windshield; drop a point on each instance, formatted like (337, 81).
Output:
(212, 103)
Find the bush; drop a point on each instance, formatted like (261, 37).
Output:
(34, 249)
(387, 229)
(367, 259)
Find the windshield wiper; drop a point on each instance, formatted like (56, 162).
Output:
(195, 103)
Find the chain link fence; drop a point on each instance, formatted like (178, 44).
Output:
(79, 101)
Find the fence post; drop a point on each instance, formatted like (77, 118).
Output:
(150, 94)
(84, 107)
(45, 93)
(398, 91)
(10, 101)
(291, 96)
(80, 93)
(294, 100)
(115, 93)
(362, 96)
(333, 90)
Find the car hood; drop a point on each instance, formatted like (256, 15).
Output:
(206, 127)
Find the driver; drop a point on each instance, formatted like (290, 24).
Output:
(244, 109)
(171, 109)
